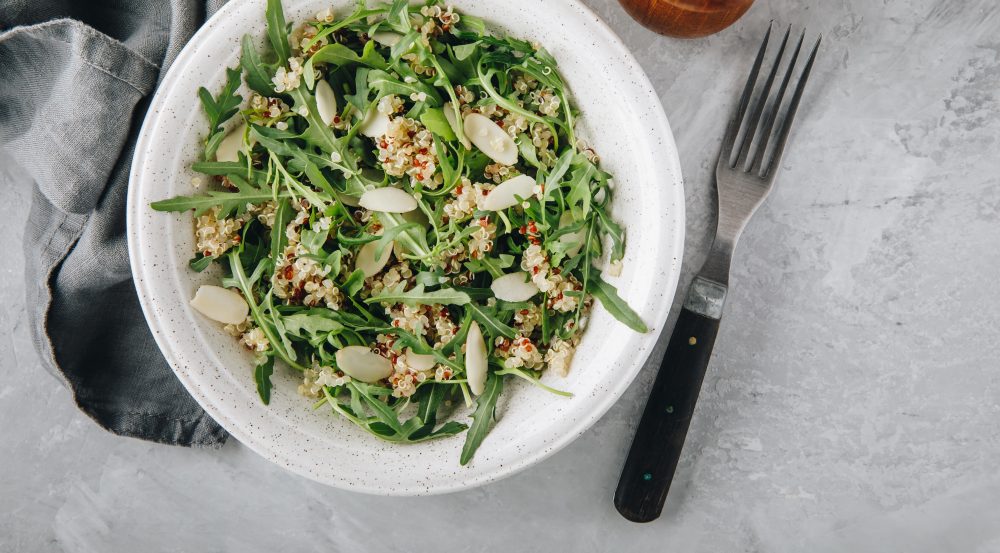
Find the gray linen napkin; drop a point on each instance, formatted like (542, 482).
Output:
(75, 81)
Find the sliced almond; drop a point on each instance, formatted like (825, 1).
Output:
(475, 359)
(387, 38)
(231, 145)
(375, 124)
(449, 114)
(573, 237)
(514, 287)
(388, 200)
(505, 194)
(366, 259)
(491, 138)
(220, 304)
(326, 102)
(420, 361)
(359, 363)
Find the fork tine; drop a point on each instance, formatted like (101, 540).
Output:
(754, 121)
(734, 124)
(787, 123)
(765, 134)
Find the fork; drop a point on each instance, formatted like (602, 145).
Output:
(750, 156)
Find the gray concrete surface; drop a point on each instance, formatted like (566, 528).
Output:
(853, 403)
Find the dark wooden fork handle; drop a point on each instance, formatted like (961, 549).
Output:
(656, 448)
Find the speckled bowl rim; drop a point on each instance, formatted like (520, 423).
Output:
(673, 195)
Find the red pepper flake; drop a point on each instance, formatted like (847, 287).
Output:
(207, 253)
(289, 272)
(524, 311)
(458, 191)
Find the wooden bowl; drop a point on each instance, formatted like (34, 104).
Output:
(686, 18)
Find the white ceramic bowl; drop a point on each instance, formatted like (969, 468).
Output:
(627, 126)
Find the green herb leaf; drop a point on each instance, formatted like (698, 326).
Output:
(486, 405)
(488, 320)
(354, 282)
(399, 15)
(465, 50)
(614, 304)
(337, 55)
(277, 30)
(200, 262)
(579, 190)
(262, 376)
(220, 109)
(228, 202)
(258, 75)
(386, 84)
(437, 123)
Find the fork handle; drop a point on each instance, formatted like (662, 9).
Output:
(656, 448)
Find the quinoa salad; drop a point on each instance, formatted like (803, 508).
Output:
(402, 215)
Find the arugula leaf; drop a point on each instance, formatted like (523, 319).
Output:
(230, 168)
(258, 75)
(399, 15)
(463, 51)
(417, 296)
(220, 109)
(337, 55)
(386, 84)
(228, 202)
(487, 319)
(410, 239)
(579, 190)
(615, 232)
(313, 241)
(200, 262)
(486, 405)
(277, 30)
(361, 91)
(535, 378)
(390, 234)
(437, 123)
(279, 238)
(354, 282)
(613, 303)
(494, 266)
(312, 323)
(262, 376)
